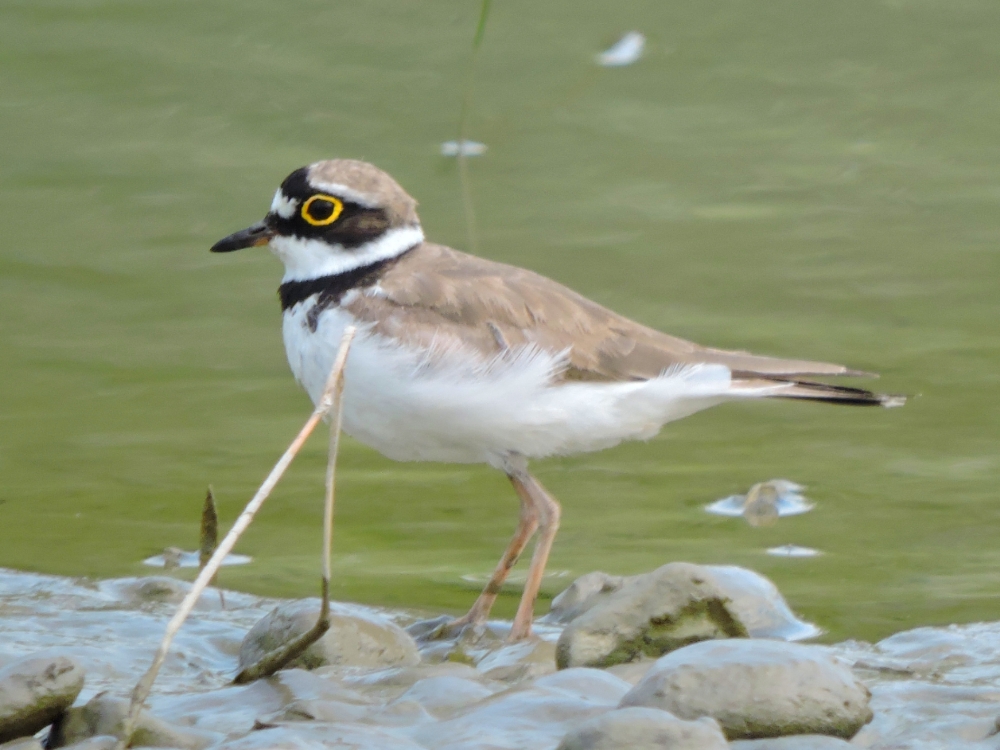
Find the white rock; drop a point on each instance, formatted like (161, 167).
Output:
(644, 729)
(757, 688)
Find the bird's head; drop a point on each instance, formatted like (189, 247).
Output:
(332, 217)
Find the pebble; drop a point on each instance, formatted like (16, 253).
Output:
(757, 688)
(34, 691)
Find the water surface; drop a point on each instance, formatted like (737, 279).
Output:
(795, 178)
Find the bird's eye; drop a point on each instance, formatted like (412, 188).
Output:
(321, 210)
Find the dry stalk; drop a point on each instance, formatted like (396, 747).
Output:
(145, 684)
(209, 538)
(274, 660)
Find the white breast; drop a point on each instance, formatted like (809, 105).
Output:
(455, 406)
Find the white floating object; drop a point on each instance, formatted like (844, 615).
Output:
(790, 550)
(764, 502)
(465, 148)
(178, 558)
(625, 51)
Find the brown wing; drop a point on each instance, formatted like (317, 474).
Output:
(436, 295)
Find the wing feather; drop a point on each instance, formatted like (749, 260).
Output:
(434, 294)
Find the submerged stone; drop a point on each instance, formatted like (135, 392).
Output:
(34, 692)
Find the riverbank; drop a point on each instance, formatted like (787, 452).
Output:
(393, 688)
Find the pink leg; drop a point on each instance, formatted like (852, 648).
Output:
(526, 525)
(532, 492)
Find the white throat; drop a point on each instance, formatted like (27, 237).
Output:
(307, 259)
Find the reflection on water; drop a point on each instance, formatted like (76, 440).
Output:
(799, 179)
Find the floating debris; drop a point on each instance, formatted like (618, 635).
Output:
(764, 503)
(174, 557)
(465, 148)
(625, 51)
(790, 550)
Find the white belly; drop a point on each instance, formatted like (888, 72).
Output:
(454, 406)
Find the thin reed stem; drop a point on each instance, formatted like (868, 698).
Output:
(145, 684)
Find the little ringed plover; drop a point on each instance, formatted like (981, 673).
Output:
(462, 359)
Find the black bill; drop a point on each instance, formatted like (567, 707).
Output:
(258, 234)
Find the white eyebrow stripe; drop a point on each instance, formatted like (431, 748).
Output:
(342, 191)
(284, 206)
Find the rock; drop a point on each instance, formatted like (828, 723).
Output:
(650, 614)
(354, 639)
(444, 696)
(644, 729)
(34, 692)
(758, 604)
(754, 600)
(22, 743)
(632, 671)
(592, 685)
(580, 595)
(100, 742)
(147, 590)
(519, 661)
(757, 688)
(104, 715)
(795, 742)
(321, 736)
(535, 717)
(389, 684)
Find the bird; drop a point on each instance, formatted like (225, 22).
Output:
(458, 358)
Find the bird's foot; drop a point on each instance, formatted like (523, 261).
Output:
(445, 628)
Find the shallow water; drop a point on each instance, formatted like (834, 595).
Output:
(798, 179)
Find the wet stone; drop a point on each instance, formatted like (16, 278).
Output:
(22, 743)
(100, 742)
(795, 742)
(446, 695)
(105, 715)
(34, 692)
(644, 729)
(756, 689)
(354, 639)
(321, 735)
(648, 615)
(519, 661)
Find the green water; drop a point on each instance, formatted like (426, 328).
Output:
(796, 178)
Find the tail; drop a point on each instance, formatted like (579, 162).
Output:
(808, 390)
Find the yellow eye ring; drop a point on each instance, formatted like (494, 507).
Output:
(338, 207)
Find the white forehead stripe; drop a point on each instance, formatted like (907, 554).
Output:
(284, 206)
(342, 191)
